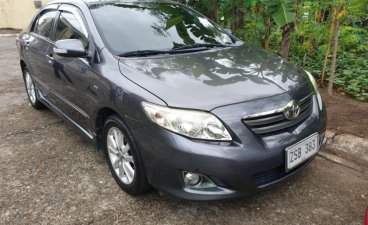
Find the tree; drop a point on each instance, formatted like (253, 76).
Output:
(214, 9)
(267, 24)
(327, 54)
(283, 12)
(234, 14)
(207, 7)
(339, 13)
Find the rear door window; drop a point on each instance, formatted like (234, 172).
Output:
(44, 24)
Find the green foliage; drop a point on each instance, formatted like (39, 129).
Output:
(354, 39)
(352, 75)
(358, 9)
(253, 29)
(282, 11)
(203, 6)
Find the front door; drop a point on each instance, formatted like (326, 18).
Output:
(72, 77)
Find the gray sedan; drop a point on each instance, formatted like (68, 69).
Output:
(176, 102)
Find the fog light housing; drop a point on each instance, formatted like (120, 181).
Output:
(191, 179)
(197, 181)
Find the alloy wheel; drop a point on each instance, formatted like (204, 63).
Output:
(120, 155)
(30, 88)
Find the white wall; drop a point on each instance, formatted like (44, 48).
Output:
(17, 14)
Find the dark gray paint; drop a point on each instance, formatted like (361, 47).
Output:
(214, 78)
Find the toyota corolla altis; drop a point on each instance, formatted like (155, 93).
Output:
(174, 100)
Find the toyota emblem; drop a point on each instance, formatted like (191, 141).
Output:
(292, 110)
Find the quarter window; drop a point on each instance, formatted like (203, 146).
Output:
(44, 24)
(70, 26)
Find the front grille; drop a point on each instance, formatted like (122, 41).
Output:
(275, 121)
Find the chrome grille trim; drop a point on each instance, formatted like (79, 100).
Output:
(274, 110)
(274, 120)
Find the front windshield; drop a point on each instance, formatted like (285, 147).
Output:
(140, 26)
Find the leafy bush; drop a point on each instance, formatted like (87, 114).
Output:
(354, 39)
(352, 75)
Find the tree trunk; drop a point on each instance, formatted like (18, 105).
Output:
(233, 22)
(183, 1)
(334, 56)
(307, 54)
(320, 16)
(266, 38)
(214, 9)
(238, 21)
(327, 53)
(305, 57)
(286, 40)
(286, 33)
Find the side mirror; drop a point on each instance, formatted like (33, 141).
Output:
(70, 48)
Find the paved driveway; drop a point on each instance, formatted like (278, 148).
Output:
(50, 175)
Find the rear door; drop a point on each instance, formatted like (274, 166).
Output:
(37, 44)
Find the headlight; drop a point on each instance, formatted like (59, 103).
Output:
(315, 86)
(190, 123)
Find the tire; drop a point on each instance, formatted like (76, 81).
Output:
(122, 156)
(31, 90)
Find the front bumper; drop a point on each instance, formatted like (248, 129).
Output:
(248, 164)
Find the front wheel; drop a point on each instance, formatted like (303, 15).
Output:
(31, 90)
(125, 162)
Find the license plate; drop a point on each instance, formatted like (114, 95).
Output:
(301, 151)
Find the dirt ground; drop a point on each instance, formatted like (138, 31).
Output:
(346, 115)
(49, 174)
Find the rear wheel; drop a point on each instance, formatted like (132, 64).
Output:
(31, 90)
(125, 163)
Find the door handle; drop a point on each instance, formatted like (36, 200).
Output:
(27, 44)
(50, 59)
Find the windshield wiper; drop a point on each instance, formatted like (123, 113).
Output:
(200, 46)
(182, 49)
(144, 53)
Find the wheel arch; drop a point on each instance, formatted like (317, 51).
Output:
(99, 122)
(23, 65)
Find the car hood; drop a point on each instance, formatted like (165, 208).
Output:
(210, 79)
